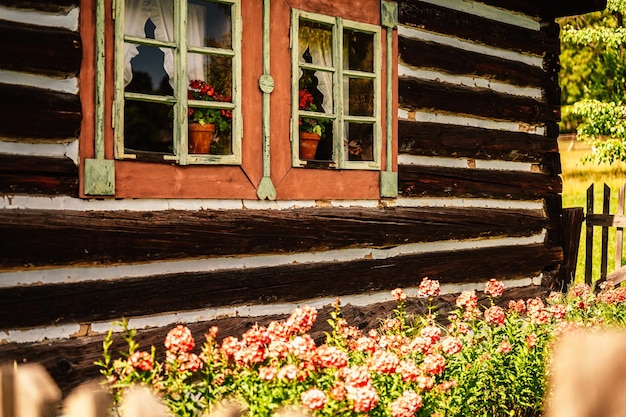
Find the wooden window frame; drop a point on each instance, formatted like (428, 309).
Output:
(338, 117)
(179, 99)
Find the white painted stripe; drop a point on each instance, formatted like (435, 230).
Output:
(55, 150)
(63, 332)
(463, 163)
(489, 12)
(498, 87)
(68, 21)
(451, 119)
(470, 202)
(122, 272)
(63, 85)
(414, 33)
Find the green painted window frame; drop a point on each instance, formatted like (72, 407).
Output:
(338, 117)
(179, 100)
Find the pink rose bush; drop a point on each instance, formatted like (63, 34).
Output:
(483, 358)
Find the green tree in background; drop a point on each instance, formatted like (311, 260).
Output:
(593, 80)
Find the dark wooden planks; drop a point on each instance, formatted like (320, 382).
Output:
(59, 6)
(109, 299)
(420, 95)
(453, 141)
(470, 27)
(424, 54)
(48, 237)
(549, 9)
(39, 49)
(29, 112)
(427, 181)
(26, 174)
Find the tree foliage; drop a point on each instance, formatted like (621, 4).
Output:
(593, 80)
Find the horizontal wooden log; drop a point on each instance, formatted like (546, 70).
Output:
(44, 237)
(25, 174)
(454, 141)
(606, 220)
(469, 27)
(421, 95)
(451, 60)
(110, 299)
(39, 49)
(29, 112)
(71, 361)
(551, 9)
(60, 6)
(427, 181)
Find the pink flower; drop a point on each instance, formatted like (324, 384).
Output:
(517, 306)
(428, 288)
(494, 288)
(366, 344)
(422, 344)
(434, 364)
(313, 399)
(558, 311)
(467, 300)
(179, 339)
(392, 323)
(256, 335)
(302, 347)
(431, 332)
(398, 294)
(302, 319)
(531, 340)
(141, 360)
(425, 382)
(267, 373)
(356, 376)
(383, 362)
(451, 345)
(409, 371)
(495, 315)
(406, 405)
(288, 372)
(338, 391)
(363, 399)
(331, 357)
(189, 362)
(504, 347)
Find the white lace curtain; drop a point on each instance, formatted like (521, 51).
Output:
(161, 12)
(319, 44)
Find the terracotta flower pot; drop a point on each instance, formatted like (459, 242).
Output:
(200, 138)
(308, 144)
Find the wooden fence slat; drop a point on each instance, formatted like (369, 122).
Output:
(606, 196)
(572, 222)
(589, 238)
(7, 390)
(619, 232)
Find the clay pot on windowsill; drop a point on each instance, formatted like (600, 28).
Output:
(308, 144)
(200, 138)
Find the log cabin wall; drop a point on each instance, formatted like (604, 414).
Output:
(478, 167)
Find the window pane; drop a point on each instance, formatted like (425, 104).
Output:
(360, 96)
(214, 70)
(147, 127)
(209, 24)
(137, 11)
(358, 51)
(214, 136)
(315, 43)
(148, 75)
(359, 142)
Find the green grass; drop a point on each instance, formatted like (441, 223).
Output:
(577, 177)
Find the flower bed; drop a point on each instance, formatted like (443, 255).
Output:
(487, 361)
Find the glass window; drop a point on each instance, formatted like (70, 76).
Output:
(336, 109)
(177, 76)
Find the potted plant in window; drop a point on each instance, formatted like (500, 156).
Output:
(311, 129)
(206, 125)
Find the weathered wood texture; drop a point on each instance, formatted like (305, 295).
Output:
(416, 94)
(470, 27)
(39, 175)
(550, 9)
(423, 54)
(43, 237)
(29, 112)
(426, 181)
(71, 361)
(59, 6)
(39, 49)
(105, 300)
(454, 141)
